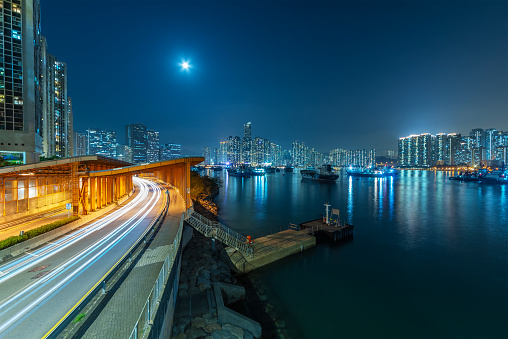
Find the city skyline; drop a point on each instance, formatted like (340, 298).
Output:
(342, 78)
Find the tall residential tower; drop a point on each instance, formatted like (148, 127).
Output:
(21, 129)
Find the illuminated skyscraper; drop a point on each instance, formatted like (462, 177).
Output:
(153, 146)
(56, 106)
(170, 151)
(101, 142)
(136, 138)
(21, 129)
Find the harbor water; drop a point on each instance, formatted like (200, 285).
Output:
(429, 257)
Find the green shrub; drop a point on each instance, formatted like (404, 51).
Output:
(11, 241)
(202, 186)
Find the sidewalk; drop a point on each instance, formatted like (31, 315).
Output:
(117, 312)
(27, 223)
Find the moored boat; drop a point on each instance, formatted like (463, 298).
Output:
(289, 169)
(371, 172)
(496, 177)
(325, 173)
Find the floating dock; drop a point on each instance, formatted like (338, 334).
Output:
(333, 232)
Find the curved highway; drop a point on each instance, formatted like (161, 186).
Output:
(38, 288)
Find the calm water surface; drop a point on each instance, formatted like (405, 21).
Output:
(429, 258)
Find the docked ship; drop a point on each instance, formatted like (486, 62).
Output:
(495, 177)
(238, 172)
(270, 169)
(255, 171)
(325, 173)
(371, 172)
(289, 169)
(467, 176)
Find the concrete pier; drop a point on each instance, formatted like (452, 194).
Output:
(271, 248)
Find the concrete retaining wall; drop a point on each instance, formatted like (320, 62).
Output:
(20, 248)
(227, 315)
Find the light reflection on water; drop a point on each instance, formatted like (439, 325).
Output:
(428, 259)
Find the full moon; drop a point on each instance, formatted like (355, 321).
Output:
(185, 64)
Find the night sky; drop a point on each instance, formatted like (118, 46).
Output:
(348, 74)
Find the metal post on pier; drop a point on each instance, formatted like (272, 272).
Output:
(327, 205)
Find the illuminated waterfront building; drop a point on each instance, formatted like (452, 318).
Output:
(234, 149)
(223, 153)
(415, 150)
(439, 151)
(298, 153)
(206, 154)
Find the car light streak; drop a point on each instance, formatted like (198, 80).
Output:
(76, 258)
(107, 242)
(11, 269)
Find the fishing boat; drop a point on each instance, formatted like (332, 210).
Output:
(325, 173)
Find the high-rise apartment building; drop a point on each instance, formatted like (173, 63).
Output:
(153, 146)
(477, 138)
(136, 138)
(415, 150)
(56, 106)
(247, 144)
(21, 129)
(234, 150)
(439, 150)
(223, 152)
(298, 153)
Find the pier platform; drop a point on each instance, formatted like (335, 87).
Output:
(271, 248)
(333, 232)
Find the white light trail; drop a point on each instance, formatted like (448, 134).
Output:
(49, 280)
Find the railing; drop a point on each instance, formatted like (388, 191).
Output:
(101, 284)
(214, 229)
(149, 312)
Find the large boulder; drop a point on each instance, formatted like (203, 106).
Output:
(236, 331)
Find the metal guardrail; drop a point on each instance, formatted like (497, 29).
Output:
(214, 229)
(148, 313)
(101, 284)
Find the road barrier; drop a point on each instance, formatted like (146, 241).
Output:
(100, 285)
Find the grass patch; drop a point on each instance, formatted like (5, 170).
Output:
(78, 317)
(11, 241)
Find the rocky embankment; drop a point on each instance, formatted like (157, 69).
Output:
(201, 267)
